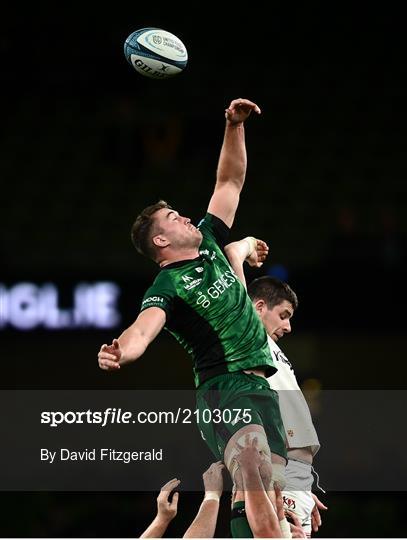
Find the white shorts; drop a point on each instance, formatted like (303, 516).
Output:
(297, 495)
(301, 504)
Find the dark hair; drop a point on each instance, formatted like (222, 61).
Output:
(141, 231)
(272, 290)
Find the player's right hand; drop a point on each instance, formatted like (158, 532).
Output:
(239, 110)
(213, 479)
(109, 356)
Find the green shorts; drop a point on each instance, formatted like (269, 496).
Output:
(227, 403)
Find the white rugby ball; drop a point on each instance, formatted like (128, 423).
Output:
(155, 53)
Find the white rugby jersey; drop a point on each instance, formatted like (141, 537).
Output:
(298, 426)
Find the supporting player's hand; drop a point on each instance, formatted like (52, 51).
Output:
(239, 110)
(295, 525)
(258, 255)
(279, 502)
(316, 520)
(249, 455)
(109, 356)
(213, 479)
(166, 509)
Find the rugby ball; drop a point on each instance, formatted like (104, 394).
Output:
(155, 53)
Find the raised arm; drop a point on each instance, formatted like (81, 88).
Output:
(134, 341)
(166, 510)
(204, 524)
(232, 162)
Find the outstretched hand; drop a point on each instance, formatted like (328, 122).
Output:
(239, 110)
(110, 355)
(166, 509)
(316, 520)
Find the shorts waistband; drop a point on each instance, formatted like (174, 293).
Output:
(222, 369)
(305, 463)
(225, 374)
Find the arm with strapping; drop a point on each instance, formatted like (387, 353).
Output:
(166, 511)
(249, 249)
(204, 524)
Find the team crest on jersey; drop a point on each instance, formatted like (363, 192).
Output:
(199, 269)
(282, 358)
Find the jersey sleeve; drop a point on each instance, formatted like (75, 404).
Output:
(214, 228)
(159, 296)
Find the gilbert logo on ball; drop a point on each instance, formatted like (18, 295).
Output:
(155, 53)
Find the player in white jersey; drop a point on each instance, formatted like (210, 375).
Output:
(275, 303)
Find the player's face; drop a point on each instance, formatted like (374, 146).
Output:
(177, 230)
(277, 320)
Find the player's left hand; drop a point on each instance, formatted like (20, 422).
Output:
(259, 254)
(316, 520)
(239, 110)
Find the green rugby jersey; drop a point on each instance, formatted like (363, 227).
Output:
(208, 310)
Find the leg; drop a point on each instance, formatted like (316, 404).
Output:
(260, 510)
(247, 394)
(297, 497)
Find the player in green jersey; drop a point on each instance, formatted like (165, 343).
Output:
(197, 297)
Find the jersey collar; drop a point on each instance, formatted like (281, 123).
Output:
(180, 263)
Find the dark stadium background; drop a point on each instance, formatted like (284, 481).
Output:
(86, 143)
